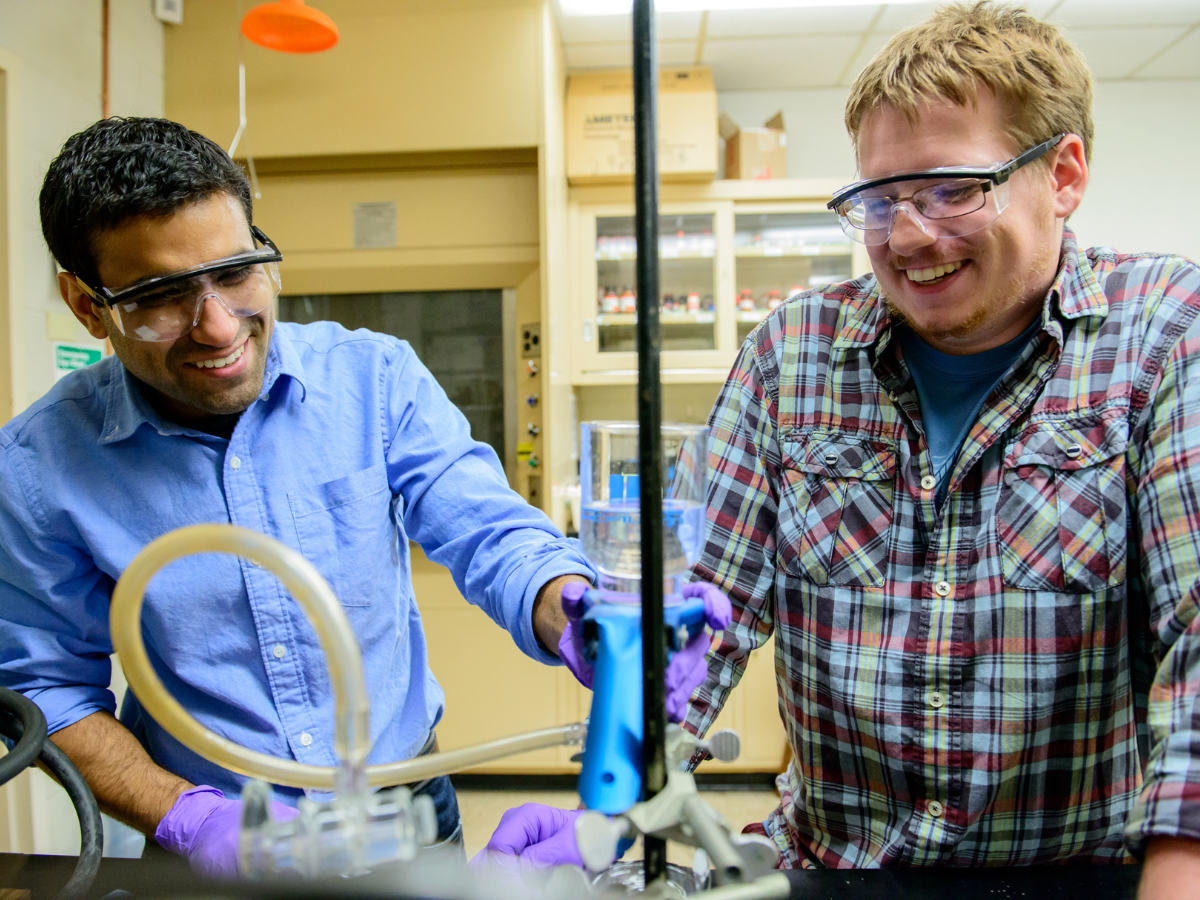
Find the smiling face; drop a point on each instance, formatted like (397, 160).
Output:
(969, 294)
(217, 368)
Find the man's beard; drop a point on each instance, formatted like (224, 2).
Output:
(1011, 298)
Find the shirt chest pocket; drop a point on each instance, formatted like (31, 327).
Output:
(1061, 514)
(836, 508)
(345, 529)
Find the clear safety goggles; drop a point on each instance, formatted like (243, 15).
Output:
(947, 202)
(169, 306)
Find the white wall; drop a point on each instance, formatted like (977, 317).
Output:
(1143, 163)
(50, 53)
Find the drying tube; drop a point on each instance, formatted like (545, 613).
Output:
(352, 711)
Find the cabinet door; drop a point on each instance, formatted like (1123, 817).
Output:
(694, 276)
(493, 690)
(780, 252)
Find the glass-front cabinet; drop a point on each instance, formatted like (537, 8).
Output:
(779, 254)
(725, 263)
(687, 249)
(691, 273)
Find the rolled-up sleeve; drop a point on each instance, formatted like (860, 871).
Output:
(54, 638)
(458, 506)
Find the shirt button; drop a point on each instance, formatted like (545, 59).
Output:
(1074, 451)
(928, 483)
(831, 457)
(306, 739)
(280, 651)
(942, 588)
(934, 808)
(235, 463)
(936, 699)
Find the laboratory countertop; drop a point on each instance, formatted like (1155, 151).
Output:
(42, 876)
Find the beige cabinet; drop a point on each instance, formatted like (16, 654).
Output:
(730, 251)
(493, 690)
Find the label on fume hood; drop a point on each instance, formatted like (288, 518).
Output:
(374, 225)
(69, 357)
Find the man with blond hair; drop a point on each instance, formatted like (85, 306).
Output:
(962, 492)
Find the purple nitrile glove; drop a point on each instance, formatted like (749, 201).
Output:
(203, 826)
(533, 836)
(570, 645)
(686, 669)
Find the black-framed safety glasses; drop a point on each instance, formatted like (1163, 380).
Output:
(167, 307)
(955, 200)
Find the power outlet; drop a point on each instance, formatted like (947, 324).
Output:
(531, 340)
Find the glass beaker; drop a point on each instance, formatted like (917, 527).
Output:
(611, 521)
(630, 878)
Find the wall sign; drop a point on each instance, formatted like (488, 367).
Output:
(69, 357)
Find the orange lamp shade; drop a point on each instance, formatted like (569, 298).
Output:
(290, 26)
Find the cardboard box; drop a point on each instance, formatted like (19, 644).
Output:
(599, 123)
(755, 152)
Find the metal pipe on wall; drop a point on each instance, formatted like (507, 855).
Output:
(649, 403)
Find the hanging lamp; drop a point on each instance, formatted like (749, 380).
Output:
(290, 26)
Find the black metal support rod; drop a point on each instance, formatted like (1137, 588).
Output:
(649, 401)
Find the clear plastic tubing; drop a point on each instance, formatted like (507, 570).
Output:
(352, 710)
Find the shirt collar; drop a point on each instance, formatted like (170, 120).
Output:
(1075, 293)
(127, 409)
(867, 321)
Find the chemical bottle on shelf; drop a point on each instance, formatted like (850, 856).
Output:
(693, 302)
(610, 302)
(628, 300)
(773, 299)
(708, 304)
(746, 301)
(668, 303)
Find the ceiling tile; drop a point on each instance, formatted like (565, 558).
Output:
(1116, 52)
(1180, 61)
(1092, 13)
(871, 46)
(620, 55)
(676, 26)
(732, 23)
(672, 26)
(765, 64)
(677, 53)
(901, 15)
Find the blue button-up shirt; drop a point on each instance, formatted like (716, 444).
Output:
(351, 450)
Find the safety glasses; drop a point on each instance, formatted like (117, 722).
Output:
(946, 202)
(169, 306)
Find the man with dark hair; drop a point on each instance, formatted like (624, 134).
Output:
(340, 445)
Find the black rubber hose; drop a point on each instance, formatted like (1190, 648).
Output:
(32, 723)
(91, 831)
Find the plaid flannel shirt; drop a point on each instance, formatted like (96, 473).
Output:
(969, 685)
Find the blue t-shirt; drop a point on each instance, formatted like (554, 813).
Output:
(350, 451)
(952, 390)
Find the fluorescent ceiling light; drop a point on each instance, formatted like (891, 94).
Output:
(623, 7)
